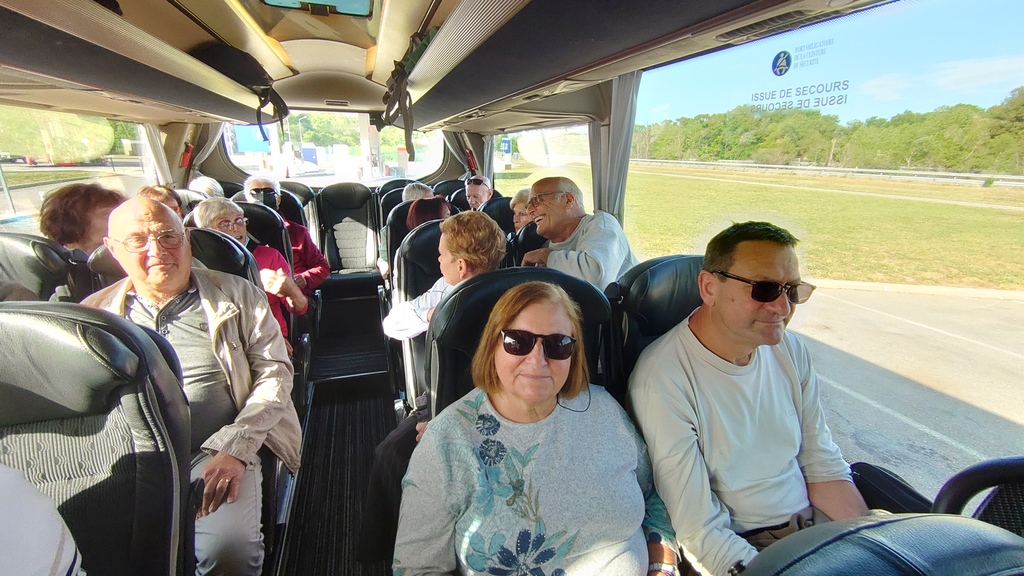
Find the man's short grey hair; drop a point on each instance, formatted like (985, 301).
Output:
(521, 197)
(415, 191)
(563, 184)
(213, 209)
(207, 186)
(262, 177)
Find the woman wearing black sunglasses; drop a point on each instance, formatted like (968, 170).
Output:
(536, 471)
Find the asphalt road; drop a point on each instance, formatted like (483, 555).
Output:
(924, 384)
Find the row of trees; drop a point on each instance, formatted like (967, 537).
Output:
(960, 138)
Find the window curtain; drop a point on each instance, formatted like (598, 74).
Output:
(455, 145)
(610, 144)
(155, 141)
(487, 159)
(206, 142)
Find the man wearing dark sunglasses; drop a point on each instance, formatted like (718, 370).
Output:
(588, 246)
(478, 191)
(728, 403)
(310, 268)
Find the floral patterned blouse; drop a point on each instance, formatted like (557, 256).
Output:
(571, 494)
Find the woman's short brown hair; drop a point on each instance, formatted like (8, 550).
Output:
(160, 193)
(505, 311)
(476, 238)
(64, 214)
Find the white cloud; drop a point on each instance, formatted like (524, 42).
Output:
(975, 74)
(886, 88)
(661, 108)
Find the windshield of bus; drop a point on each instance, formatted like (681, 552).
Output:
(320, 148)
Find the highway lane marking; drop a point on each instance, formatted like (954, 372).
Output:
(851, 192)
(927, 327)
(905, 419)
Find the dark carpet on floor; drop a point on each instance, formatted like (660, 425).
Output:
(347, 419)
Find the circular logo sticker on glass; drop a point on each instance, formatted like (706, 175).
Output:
(781, 63)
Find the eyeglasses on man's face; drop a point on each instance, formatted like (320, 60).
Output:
(534, 201)
(767, 291)
(228, 224)
(521, 343)
(168, 239)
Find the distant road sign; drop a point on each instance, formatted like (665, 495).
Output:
(506, 146)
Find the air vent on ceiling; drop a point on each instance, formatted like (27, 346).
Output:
(336, 103)
(773, 25)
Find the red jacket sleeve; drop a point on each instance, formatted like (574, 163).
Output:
(307, 259)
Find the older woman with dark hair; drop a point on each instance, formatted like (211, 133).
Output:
(536, 471)
(75, 216)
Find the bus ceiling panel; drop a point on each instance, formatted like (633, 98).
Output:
(231, 23)
(550, 41)
(398, 22)
(468, 26)
(331, 91)
(747, 24)
(17, 89)
(509, 121)
(89, 46)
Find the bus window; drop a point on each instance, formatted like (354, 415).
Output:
(522, 158)
(320, 148)
(41, 150)
(890, 143)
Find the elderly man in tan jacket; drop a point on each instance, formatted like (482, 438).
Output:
(235, 368)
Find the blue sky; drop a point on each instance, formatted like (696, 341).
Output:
(911, 55)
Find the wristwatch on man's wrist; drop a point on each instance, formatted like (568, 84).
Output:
(663, 568)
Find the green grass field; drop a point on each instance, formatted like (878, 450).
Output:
(899, 239)
(19, 177)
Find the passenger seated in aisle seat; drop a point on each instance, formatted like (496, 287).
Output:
(728, 403)
(427, 209)
(415, 191)
(535, 471)
(423, 209)
(478, 191)
(33, 536)
(208, 186)
(520, 212)
(471, 244)
(163, 194)
(311, 268)
(75, 216)
(282, 292)
(588, 246)
(237, 376)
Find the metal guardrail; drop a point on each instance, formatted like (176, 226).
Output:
(919, 175)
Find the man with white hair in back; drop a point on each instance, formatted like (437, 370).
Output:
(208, 186)
(416, 191)
(589, 246)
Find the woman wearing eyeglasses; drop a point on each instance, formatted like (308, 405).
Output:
(535, 471)
(282, 291)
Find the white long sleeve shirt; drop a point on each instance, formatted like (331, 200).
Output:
(732, 446)
(597, 251)
(409, 319)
